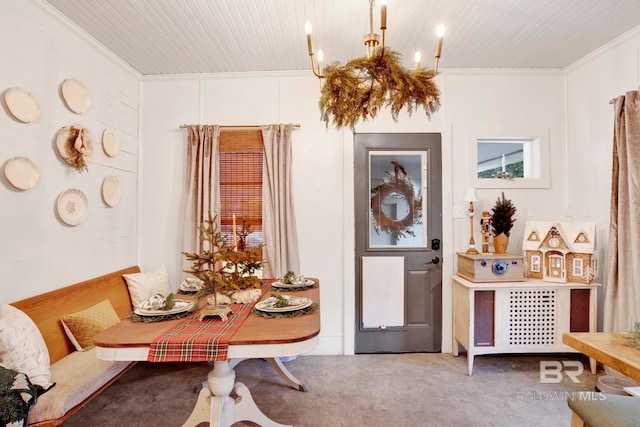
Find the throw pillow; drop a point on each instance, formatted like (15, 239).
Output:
(22, 347)
(83, 325)
(143, 285)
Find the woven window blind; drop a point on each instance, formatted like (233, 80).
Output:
(240, 161)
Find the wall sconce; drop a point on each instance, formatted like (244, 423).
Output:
(471, 197)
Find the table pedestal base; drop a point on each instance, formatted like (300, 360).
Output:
(276, 363)
(216, 407)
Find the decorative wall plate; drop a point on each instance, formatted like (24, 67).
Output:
(111, 190)
(61, 140)
(110, 142)
(73, 206)
(22, 173)
(61, 144)
(22, 105)
(76, 96)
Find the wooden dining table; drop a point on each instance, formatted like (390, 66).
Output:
(607, 348)
(257, 337)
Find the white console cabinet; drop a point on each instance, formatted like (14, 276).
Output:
(520, 317)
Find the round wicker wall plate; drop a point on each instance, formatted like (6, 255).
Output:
(73, 206)
(22, 105)
(76, 96)
(22, 173)
(110, 142)
(61, 142)
(111, 192)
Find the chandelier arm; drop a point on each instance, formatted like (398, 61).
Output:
(373, 81)
(313, 66)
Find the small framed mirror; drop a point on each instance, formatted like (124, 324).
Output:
(513, 160)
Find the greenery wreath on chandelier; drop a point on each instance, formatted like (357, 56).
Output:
(398, 184)
(360, 88)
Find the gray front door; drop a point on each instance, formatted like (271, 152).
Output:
(398, 210)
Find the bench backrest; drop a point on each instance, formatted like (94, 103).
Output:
(47, 309)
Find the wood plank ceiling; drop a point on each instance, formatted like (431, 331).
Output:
(216, 36)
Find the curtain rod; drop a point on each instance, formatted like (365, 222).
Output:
(251, 127)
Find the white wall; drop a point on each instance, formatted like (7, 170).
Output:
(591, 83)
(323, 162)
(238, 100)
(38, 252)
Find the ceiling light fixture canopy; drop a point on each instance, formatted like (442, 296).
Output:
(361, 87)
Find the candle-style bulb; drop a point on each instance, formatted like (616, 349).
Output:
(417, 58)
(440, 32)
(307, 29)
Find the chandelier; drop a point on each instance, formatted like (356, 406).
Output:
(361, 87)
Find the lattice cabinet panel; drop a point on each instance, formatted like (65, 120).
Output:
(519, 317)
(532, 317)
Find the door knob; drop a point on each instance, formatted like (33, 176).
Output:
(434, 260)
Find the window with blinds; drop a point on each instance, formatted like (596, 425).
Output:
(240, 160)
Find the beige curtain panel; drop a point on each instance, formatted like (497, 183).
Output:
(202, 193)
(622, 293)
(278, 217)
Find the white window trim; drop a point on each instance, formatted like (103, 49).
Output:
(535, 263)
(578, 267)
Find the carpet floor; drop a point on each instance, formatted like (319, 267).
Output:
(404, 390)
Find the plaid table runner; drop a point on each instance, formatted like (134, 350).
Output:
(193, 340)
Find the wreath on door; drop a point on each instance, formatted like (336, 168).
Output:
(397, 185)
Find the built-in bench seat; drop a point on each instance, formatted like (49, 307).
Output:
(78, 375)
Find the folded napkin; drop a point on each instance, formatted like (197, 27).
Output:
(191, 284)
(292, 278)
(155, 302)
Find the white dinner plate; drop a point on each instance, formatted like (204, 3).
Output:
(180, 306)
(76, 96)
(110, 142)
(22, 105)
(111, 192)
(307, 282)
(22, 173)
(190, 289)
(73, 206)
(293, 304)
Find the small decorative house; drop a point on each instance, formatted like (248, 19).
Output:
(560, 251)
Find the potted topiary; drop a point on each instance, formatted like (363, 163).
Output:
(501, 223)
